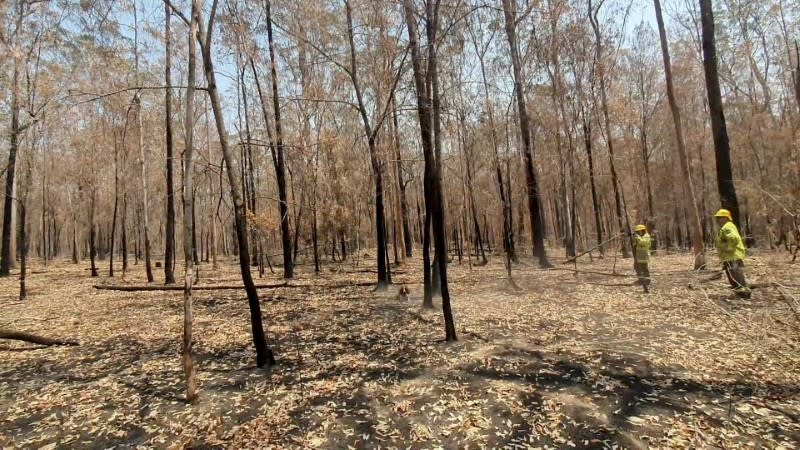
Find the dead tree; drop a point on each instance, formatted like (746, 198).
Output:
(280, 170)
(427, 110)
(601, 75)
(532, 187)
(169, 244)
(372, 130)
(137, 100)
(722, 149)
(696, 227)
(188, 209)
(264, 354)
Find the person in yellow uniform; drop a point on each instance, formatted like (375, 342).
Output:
(641, 255)
(730, 248)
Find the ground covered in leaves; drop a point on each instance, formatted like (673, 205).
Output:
(570, 360)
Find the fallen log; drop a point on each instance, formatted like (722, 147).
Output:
(592, 272)
(34, 339)
(157, 288)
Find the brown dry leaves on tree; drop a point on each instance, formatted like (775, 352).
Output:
(574, 361)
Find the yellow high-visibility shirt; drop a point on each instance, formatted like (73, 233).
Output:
(730, 246)
(642, 248)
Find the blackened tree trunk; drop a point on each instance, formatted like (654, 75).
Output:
(722, 150)
(116, 207)
(427, 113)
(377, 165)
(23, 247)
(471, 193)
(695, 226)
(124, 237)
(400, 238)
(534, 204)
(587, 141)
(622, 224)
(169, 245)
(6, 255)
(436, 192)
(22, 227)
(280, 170)
(264, 355)
(92, 231)
(508, 241)
(408, 244)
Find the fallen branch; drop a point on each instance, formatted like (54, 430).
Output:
(592, 272)
(574, 258)
(34, 339)
(138, 288)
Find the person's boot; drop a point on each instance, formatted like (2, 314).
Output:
(646, 289)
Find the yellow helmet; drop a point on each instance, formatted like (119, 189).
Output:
(723, 213)
(640, 228)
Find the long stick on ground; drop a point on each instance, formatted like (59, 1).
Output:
(135, 288)
(574, 258)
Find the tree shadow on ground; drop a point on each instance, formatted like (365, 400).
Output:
(346, 359)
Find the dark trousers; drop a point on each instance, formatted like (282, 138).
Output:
(734, 270)
(643, 272)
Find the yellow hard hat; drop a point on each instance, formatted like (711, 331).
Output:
(640, 228)
(723, 213)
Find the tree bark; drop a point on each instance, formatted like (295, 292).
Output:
(169, 245)
(137, 99)
(695, 226)
(187, 347)
(427, 109)
(34, 339)
(286, 242)
(534, 203)
(116, 207)
(6, 254)
(264, 355)
(377, 164)
(722, 151)
(622, 224)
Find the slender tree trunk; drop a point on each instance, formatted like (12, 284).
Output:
(534, 202)
(722, 151)
(264, 355)
(194, 228)
(288, 268)
(427, 109)
(45, 223)
(6, 254)
(377, 165)
(116, 205)
(187, 347)
(622, 224)
(598, 213)
(695, 226)
(124, 237)
(22, 228)
(436, 198)
(400, 252)
(23, 246)
(92, 232)
(169, 246)
(408, 244)
(471, 194)
(508, 245)
(137, 99)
